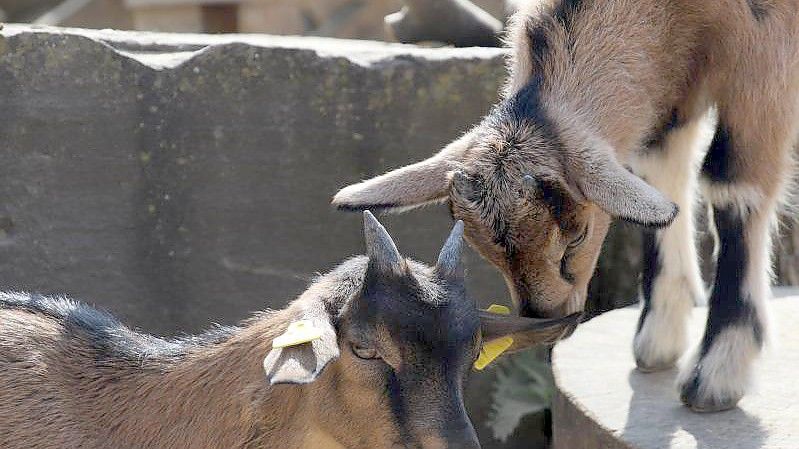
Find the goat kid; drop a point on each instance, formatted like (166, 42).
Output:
(394, 342)
(600, 86)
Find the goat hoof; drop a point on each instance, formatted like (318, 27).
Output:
(652, 356)
(702, 396)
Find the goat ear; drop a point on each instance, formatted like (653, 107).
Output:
(303, 363)
(408, 187)
(604, 182)
(383, 254)
(449, 264)
(526, 332)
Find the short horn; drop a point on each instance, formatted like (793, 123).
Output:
(382, 252)
(449, 259)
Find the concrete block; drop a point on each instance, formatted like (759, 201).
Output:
(180, 180)
(603, 402)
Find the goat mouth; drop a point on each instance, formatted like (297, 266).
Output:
(527, 310)
(564, 313)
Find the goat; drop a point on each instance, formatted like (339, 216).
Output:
(394, 340)
(603, 117)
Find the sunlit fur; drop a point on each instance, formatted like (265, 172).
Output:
(673, 167)
(595, 85)
(397, 341)
(71, 376)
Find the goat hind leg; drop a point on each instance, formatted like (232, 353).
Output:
(743, 175)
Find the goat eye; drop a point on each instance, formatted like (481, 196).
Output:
(579, 240)
(364, 352)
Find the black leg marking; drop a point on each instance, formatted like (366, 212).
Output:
(650, 272)
(539, 42)
(718, 165)
(759, 10)
(729, 304)
(690, 391)
(565, 10)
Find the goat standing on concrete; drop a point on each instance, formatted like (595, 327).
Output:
(597, 86)
(394, 342)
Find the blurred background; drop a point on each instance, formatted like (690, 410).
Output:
(356, 19)
(182, 181)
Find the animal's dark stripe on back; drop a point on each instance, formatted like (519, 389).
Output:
(539, 42)
(564, 11)
(521, 111)
(108, 336)
(538, 30)
(759, 10)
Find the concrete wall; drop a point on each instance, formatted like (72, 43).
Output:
(198, 191)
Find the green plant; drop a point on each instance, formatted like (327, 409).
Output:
(524, 385)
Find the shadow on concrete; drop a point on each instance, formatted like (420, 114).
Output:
(657, 419)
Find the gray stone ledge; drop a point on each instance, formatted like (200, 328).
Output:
(604, 403)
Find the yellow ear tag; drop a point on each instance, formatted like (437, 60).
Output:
(494, 348)
(297, 333)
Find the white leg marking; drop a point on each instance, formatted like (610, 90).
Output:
(678, 285)
(721, 378)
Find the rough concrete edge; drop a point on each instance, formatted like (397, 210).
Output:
(564, 409)
(589, 433)
(149, 48)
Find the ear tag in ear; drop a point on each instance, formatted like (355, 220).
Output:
(298, 332)
(498, 309)
(494, 348)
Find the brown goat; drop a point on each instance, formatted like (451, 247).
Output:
(397, 340)
(600, 88)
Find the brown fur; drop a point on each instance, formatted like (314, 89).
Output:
(55, 394)
(398, 339)
(595, 87)
(610, 77)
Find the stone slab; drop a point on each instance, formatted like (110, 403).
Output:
(605, 403)
(191, 183)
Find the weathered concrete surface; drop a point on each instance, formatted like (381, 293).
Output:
(604, 403)
(193, 184)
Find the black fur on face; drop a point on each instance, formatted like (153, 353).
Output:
(427, 332)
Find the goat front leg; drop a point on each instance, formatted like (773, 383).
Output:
(457, 22)
(671, 282)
